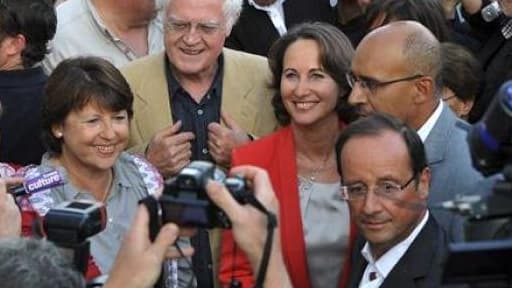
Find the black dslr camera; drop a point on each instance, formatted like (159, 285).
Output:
(185, 202)
(69, 224)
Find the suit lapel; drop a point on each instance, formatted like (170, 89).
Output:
(153, 99)
(437, 138)
(418, 261)
(236, 87)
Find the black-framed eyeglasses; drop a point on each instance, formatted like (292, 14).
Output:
(385, 189)
(373, 84)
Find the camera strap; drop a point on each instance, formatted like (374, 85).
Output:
(271, 225)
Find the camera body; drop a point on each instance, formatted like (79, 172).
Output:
(74, 222)
(185, 202)
(491, 11)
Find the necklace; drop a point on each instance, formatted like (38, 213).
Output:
(312, 173)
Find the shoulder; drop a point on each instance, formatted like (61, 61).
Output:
(138, 69)
(70, 14)
(234, 58)
(263, 150)
(135, 168)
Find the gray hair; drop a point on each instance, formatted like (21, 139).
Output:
(35, 263)
(232, 10)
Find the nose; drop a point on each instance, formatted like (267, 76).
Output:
(108, 131)
(371, 204)
(357, 95)
(301, 88)
(192, 35)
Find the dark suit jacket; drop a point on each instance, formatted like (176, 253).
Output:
(420, 266)
(255, 33)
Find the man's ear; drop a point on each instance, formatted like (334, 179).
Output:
(424, 89)
(424, 183)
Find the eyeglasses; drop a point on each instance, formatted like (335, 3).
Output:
(183, 27)
(386, 189)
(373, 84)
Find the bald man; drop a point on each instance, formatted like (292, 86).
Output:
(396, 70)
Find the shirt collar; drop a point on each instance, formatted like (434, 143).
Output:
(72, 192)
(269, 8)
(388, 260)
(431, 121)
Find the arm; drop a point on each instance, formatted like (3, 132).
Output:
(249, 224)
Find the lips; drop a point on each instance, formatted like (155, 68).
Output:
(373, 224)
(191, 52)
(105, 149)
(305, 105)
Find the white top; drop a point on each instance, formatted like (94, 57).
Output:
(81, 32)
(383, 266)
(326, 226)
(431, 121)
(275, 12)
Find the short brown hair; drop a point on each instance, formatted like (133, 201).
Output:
(77, 82)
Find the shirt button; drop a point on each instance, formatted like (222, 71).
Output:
(200, 112)
(205, 151)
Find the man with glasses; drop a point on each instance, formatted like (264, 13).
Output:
(396, 70)
(183, 95)
(385, 181)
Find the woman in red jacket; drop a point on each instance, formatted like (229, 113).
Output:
(308, 65)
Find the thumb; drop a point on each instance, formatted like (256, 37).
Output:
(228, 121)
(165, 238)
(171, 129)
(222, 198)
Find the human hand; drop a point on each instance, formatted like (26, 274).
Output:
(138, 263)
(10, 215)
(221, 140)
(170, 151)
(249, 225)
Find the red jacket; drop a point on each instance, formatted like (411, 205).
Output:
(276, 154)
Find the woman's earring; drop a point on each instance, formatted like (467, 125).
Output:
(58, 134)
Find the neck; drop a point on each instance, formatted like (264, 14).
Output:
(313, 142)
(81, 178)
(120, 19)
(196, 84)
(420, 116)
(378, 250)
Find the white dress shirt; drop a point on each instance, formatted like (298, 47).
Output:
(381, 267)
(275, 12)
(431, 121)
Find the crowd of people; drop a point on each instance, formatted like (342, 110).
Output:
(315, 103)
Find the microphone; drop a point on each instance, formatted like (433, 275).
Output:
(37, 182)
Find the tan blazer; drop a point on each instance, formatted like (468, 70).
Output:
(245, 95)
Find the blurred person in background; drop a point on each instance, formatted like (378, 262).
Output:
(116, 30)
(263, 21)
(495, 33)
(308, 66)
(26, 27)
(461, 75)
(351, 19)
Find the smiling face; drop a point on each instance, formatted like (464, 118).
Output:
(92, 138)
(191, 51)
(373, 160)
(309, 94)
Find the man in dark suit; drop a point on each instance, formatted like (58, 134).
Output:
(396, 70)
(385, 180)
(263, 21)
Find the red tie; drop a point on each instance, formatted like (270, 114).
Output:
(372, 276)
